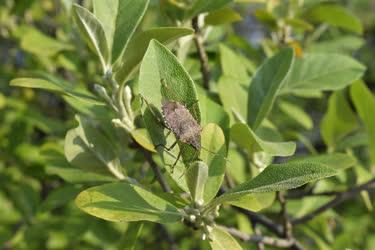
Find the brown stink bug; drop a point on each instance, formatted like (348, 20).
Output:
(178, 119)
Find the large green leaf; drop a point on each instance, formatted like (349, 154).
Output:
(232, 65)
(339, 120)
(137, 47)
(93, 32)
(265, 85)
(121, 202)
(279, 177)
(335, 15)
(364, 102)
(201, 6)
(296, 113)
(322, 72)
(162, 77)
(87, 148)
(221, 240)
(213, 153)
(338, 161)
(254, 202)
(60, 87)
(244, 137)
(222, 16)
(34, 41)
(119, 18)
(196, 177)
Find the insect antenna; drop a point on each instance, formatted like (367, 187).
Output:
(214, 153)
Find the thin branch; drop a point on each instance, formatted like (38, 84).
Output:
(158, 174)
(288, 228)
(263, 220)
(341, 197)
(203, 58)
(257, 232)
(266, 240)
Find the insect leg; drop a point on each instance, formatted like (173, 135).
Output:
(177, 159)
(153, 112)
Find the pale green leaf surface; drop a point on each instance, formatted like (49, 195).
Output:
(221, 240)
(277, 177)
(56, 86)
(201, 6)
(138, 44)
(335, 15)
(254, 202)
(196, 177)
(364, 102)
(244, 137)
(323, 72)
(339, 121)
(338, 161)
(142, 137)
(265, 85)
(121, 202)
(162, 77)
(93, 32)
(213, 153)
(87, 148)
(222, 16)
(120, 18)
(297, 114)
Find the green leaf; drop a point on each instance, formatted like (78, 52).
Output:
(120, 18)
(56, 164)
(244, 137)
(299, 24)
(87, 148)
(339, 120)
(34, 41)
(196, 177)
(60, 87)
(254, 202)
(137, 47)
(142, 137)
(222, 16)
(364, 102)
(121, 202)
(297, 114)
(59, 197)
(213, 153)
(342, 44)
(338, 161)
(232, 65)
(129, 238)
(277, 177)
(335, 15)
(234, 98)
(221, 240)
(93, 32)
(201, 6)
(212, 112)
(322, 72)
(162, 77)
(265, 85)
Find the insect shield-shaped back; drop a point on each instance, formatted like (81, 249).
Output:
(183, 125)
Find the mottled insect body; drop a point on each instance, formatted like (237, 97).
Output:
(180, 121)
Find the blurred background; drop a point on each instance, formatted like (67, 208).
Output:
(38, 38)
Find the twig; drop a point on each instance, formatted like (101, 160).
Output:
(159, 176)
(263, 220)
(341, 197)
(203, 58)
(257, 232)
(266, 240)
(288, 230)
